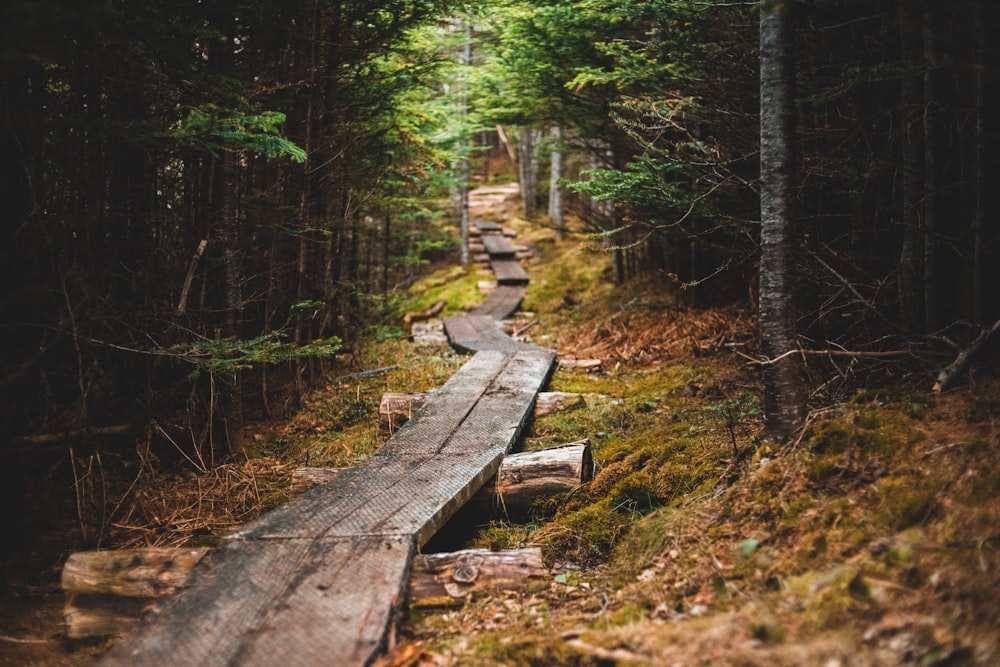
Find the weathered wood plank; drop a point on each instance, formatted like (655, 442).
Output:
(498, 247)
(486, 226)
(502, 302)
(289, 602)
(509, 272)
(474, 332)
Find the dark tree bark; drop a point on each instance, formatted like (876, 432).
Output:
(527, 171)
(784, 394)
(930, 198)
(555, 188)
(908, 280)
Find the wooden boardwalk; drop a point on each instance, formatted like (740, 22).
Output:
(320, 580)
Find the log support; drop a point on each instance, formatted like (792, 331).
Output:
(108, 591)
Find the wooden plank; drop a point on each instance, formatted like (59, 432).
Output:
(502, 302)
(474, 333)
(498, 247)
(289, 602)
(486, 226)
(509, 272)
(497, 417)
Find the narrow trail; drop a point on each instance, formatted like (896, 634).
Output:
(322, 578)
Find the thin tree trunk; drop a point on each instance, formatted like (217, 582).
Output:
(784, 392)
(979, 207)
(908, 281)
(555, 187)
(930, 177)
(231, 383)
(463, 167)
(527, 171)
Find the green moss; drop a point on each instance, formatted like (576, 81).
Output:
(768, 632)
(867, 420)
(904, 502)
(587, 534)
(822, 468)
(832, 437)
(870, 396)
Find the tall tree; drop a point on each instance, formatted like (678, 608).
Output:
(784, 394)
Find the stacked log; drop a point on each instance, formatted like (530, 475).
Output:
(108, 591)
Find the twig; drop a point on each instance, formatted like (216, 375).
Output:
(192, 267)
(951, 371)
(518, 332)
(364, 375)
(18, 640)
(830, 353)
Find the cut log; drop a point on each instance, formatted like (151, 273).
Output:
(529, 476)
(106, 591)
(590, 365)
(486, 286)
(420, 315)
(429, 333)
(396, 408)
(441, 580)
(556, 401)
(523, 479)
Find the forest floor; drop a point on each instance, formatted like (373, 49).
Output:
(870, 539)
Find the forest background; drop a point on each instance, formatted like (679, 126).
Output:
(204, 203)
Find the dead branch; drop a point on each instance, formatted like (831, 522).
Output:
(419, 315)
(192, 267)
(948, 374)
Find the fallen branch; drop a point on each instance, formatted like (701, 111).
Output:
(830, 353)
(373, 373)
(952, 370)
(418, 315)
(93, 432)
(192, 267)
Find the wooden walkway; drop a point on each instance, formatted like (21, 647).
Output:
(320, 580)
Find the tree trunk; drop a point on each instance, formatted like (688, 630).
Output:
(784, 394)
(979, 205)
(231, 386)
(463, 168)
(908, 282)
(555, 187)
(931, 322)
(527, 171)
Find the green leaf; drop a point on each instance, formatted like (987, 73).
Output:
(746, 548)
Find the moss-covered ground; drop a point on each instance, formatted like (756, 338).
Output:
(870, 539)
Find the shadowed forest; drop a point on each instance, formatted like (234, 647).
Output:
(774, 224)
